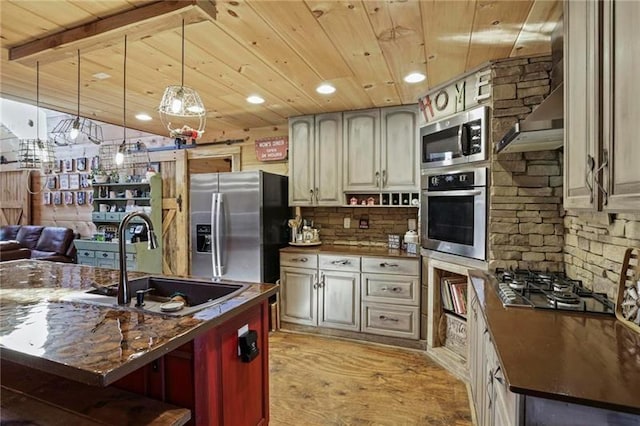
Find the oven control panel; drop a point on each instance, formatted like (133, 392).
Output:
(451, 180)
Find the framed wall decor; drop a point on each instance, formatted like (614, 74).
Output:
(46, 198)
(84, 180)
(52, 182)
(64, 181)
(81, 198)
(89, 197)
(74, 181)
(68, 164)
(57, 198)
(68, 197)
(95, 162)
(81, 164)
(57, 167)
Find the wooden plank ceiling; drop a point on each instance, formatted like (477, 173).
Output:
(281, 50)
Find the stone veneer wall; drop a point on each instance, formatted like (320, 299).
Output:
(595, 244)
(526, 216)
(382, 222)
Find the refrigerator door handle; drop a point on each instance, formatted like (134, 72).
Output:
(217, 234)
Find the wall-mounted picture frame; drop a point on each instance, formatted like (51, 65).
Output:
(68, 164)
(57, 198)
(95, 162)
(81, 198)
(57, 166)
(64, 181)
(84, 180)
(74, 181)
(46, 198)
(68, 198)
(89, 197)
(81, 164)
(52, 182)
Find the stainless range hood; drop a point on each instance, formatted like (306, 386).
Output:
(542, 129)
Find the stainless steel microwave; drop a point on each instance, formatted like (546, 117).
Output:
(459, 139)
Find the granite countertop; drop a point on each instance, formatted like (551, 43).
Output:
(93, 344)
(354, 250)
(586, 359)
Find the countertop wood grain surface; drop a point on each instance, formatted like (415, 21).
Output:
(89, 343)
(581, 358)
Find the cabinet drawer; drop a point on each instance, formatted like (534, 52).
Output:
(97, 216)
(105, 255)
(83, 254)
(106, 263)
(299, 260)
(390, 320)
(339, 263)
(384, 265)
(87, 261)
(113, 216)
(401, 289)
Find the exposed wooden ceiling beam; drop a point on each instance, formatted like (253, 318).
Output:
(136, 23)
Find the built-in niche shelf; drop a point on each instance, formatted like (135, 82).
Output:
(384, 199)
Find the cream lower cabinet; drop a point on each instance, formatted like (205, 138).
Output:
(494, 404)
(320, 290)
(390, 297)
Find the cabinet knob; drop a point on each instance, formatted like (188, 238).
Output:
(299, 259)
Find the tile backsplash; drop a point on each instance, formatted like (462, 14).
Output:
(382, 222)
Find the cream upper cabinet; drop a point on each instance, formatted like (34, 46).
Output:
(315, 159)
(621, 105)
(399, 148)
(380, 149)
(362, 150)
(601, 172)
(580, 104)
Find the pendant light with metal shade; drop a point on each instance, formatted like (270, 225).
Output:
(67, 131)
(36, 154)
(183, 103)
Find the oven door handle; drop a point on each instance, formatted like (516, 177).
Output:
(455, 193)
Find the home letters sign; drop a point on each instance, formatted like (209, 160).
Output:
(272, 149)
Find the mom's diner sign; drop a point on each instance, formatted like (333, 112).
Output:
(272, 149)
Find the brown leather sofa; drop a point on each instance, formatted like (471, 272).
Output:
(37, 242)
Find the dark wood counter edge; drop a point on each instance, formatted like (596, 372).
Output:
(354, 250)
(532, 392)
(98, 379)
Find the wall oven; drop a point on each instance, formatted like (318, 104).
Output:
(454, 212)
(455, 140)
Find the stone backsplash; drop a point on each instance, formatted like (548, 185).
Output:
(594, 247)
(382, 222)
(525, 216)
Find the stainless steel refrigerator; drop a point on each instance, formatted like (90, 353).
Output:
(238, 225)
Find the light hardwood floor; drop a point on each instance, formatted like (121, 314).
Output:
(324, 381)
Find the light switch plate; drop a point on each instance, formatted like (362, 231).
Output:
(347, 222)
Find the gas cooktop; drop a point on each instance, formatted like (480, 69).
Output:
(549, 290)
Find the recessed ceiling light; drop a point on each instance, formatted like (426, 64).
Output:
(143, 117)
(255, 99)
(414, 77)
(101, 75)
(325, 89)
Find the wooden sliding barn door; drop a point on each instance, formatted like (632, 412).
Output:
(15, 200)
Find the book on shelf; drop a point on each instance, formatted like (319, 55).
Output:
(454, 294)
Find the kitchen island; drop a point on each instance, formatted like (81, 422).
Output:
(570, 367)
(190, 361)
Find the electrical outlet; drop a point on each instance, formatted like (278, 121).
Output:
(347, 222)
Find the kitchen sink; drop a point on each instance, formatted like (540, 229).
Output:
(164, 295)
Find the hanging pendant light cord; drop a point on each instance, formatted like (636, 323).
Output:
(124, 93)
(182, 78)
(78, 116)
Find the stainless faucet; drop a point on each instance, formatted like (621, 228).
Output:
(123, 282)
